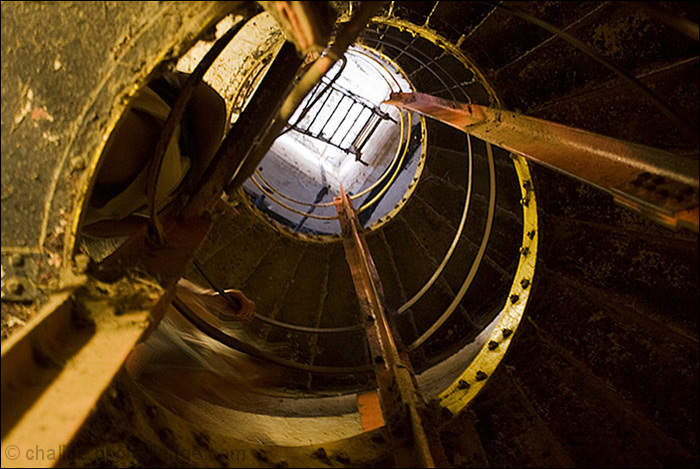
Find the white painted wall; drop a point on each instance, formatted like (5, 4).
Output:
(299, 166)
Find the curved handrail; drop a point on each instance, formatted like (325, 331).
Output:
(455, 240)
(273, 322)
(475, 265)
(248, 349)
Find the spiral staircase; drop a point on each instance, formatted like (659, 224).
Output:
(573, 390)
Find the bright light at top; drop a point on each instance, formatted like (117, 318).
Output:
(340, 134)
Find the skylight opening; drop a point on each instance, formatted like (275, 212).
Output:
(341, 134)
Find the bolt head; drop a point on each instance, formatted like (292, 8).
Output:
(343, 457)
(77, 163)
(15, 285)
(16, 260)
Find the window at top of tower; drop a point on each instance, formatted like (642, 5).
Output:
(342, 135)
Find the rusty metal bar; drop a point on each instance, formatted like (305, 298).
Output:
(347, 36)
(247, 142)
(327, 90)
(415, 441)
(54, 372)
(307, 24)
(306, 83)
(653, 182)
(175, 118)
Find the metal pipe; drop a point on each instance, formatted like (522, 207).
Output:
(328, 91)
(414, 439)
(346, 37)
(345, 117)
(333, 113)
(312, 102)
(654, 182)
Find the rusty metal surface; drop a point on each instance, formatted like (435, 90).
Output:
(307, 24)
(68, 69)
(57, 369)
(48, 411)
(624, 169)
(175, 118)
(323, 64)
(415, 442)
(54, 372)
(248, 140)
(166, 263)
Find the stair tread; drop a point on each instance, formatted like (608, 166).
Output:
(609, 343)
(490, 47)
(512, 432)
(553, 71)
(643, 123)
(231, 266)
(268, 284)
(562, 394)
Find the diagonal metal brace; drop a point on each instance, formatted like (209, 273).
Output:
(414, 439)
(658, 184)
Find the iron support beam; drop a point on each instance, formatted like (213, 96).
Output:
(55, 370)
(332, 54)
(250, 137)
(653, 182)
(414, 439)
